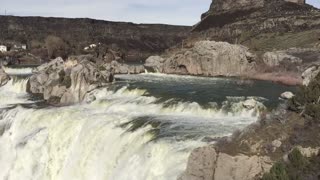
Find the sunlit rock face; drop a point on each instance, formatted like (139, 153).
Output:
(228, 6)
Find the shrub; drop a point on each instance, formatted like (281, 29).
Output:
(297, 160)
(307, 99)
(277, 172)
(55, 46)
(296, 168)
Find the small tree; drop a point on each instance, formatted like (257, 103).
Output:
(55, 46)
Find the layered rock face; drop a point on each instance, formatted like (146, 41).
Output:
(206, 58)
(222, 6)
(67, 82)
(262, 25)
(4, 77)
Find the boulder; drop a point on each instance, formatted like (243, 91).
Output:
(154, 63)
(67, 82)
(207, 58)
(201, 164)
(287, 95)
(4, 77)
(309, 74)
(120, 68)
(241, 167)
(250, 103)
(206, 164)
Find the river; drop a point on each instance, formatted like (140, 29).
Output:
(142, 127)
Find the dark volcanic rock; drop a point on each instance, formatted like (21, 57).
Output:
(138, 41)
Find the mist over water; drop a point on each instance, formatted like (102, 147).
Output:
(143, 127)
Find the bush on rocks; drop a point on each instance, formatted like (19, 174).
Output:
(307, 99)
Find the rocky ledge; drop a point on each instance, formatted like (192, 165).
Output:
(67, 82)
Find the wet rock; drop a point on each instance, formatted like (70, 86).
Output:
(67, 82)
(250, 104)
(4, 77)
(287, 95)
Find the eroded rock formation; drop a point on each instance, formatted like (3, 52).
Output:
(67, 82)
(206, 58)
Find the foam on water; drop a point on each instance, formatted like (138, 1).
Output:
(14, 92)
(18, 71)
(137, 129)
(122, 135)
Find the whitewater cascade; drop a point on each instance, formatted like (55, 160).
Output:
(124, 134)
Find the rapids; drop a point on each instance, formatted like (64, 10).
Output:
(143, 127)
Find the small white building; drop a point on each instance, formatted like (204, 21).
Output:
(92, 46)
(20, 47)
(3, 48)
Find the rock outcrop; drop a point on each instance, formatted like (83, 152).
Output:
(206, 58)
(207, 164)
(67, 82)
(121, 68)
(4, 77)
(310, 74)
(261, 25)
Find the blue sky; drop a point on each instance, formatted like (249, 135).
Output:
(183, 12)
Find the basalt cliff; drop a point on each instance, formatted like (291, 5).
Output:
(134, 41)
(281, 36)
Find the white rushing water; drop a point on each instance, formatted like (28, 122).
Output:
(18, 71)
(122, 135)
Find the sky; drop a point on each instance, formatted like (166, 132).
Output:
(179, 12)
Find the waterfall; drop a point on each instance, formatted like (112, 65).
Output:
(14, 91)
(18, 71)
(122, 135)
(120, 132)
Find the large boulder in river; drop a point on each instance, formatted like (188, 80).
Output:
(4, 77)
(154, 63)
(67, 82)
(207, 58)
